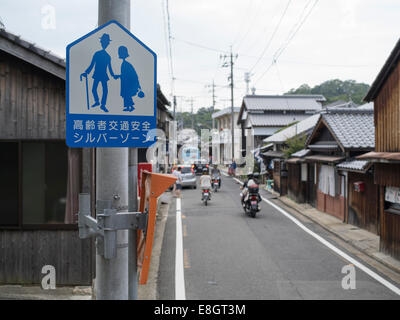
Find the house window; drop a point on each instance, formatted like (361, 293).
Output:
(34, 189)
(9, 184)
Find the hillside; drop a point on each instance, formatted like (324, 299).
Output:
(201, 120)
(336, 89)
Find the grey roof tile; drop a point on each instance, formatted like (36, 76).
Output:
(285, 102)
(275, 120)
(354, 130)
(354, 165)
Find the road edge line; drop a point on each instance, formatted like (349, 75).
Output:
(179, 265)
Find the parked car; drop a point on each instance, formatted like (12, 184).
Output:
(188, 176)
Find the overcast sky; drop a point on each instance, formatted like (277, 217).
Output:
(321, 40)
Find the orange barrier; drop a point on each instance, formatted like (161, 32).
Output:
(152, 185)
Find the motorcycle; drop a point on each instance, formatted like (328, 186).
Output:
(251, 201)
(216, 183)
(205, 195)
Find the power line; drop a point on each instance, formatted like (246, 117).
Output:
(272, 36)
(281, 49)
(242, 24)
(199, 45)
(252, 21)
(290, 38)
(170, 46)
(166, 39)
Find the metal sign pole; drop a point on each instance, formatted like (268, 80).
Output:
(132, 234)
(112, 183)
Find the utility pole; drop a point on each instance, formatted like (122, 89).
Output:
(174, 107)
(191, 111)
(213, 100)
(232, 109)
(112, 281)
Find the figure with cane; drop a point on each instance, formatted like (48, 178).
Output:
(101, 61)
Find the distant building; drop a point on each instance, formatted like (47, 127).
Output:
(261, 116)
(221, 149)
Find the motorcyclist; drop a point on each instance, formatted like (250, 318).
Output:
(215, 172)
(250, 181)
(205, 182)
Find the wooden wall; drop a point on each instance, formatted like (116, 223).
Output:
(312, 185)
(363, 207)
(296, 188)
(32, 102)
(387, 114)
(280, 182)
(334, 206)
(387, 174)
(24, 253)
(390, 234)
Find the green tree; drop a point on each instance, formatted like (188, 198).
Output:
(294, 144)
(202, 119)
(335, 89)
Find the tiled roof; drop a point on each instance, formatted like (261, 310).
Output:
(296, 129)
(302, 153)
(275, 120)
(354, 165)
(353, 130)
(224, 111)
(284, 102)
(273, 154)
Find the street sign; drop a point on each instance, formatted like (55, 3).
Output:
(111, 89)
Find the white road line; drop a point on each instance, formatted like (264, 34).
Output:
(179, 267)
(333, 248)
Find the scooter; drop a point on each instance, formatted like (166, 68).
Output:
(205, 195)
(216, 183)
(251, 201)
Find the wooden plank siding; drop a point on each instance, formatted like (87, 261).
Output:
(387, 174)
(390, 234)
(363, 207)
(387, 114)
(32, 102)
(296, 188)
(24, 253)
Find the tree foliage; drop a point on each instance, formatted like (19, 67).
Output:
(294, 144)
(201, 119)
(334, 90)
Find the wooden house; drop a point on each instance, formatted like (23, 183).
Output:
(290, 180)
(40, 176)
(385, 93)
(339, 136)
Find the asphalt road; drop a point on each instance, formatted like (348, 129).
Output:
(228, 255)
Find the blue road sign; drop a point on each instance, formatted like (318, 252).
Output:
(111, 97)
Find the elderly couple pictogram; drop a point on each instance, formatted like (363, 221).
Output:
(101, 61)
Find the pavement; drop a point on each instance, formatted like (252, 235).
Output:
(145, 292)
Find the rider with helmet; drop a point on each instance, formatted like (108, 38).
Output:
(216, 173)
(252, 178)
(205, 181)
